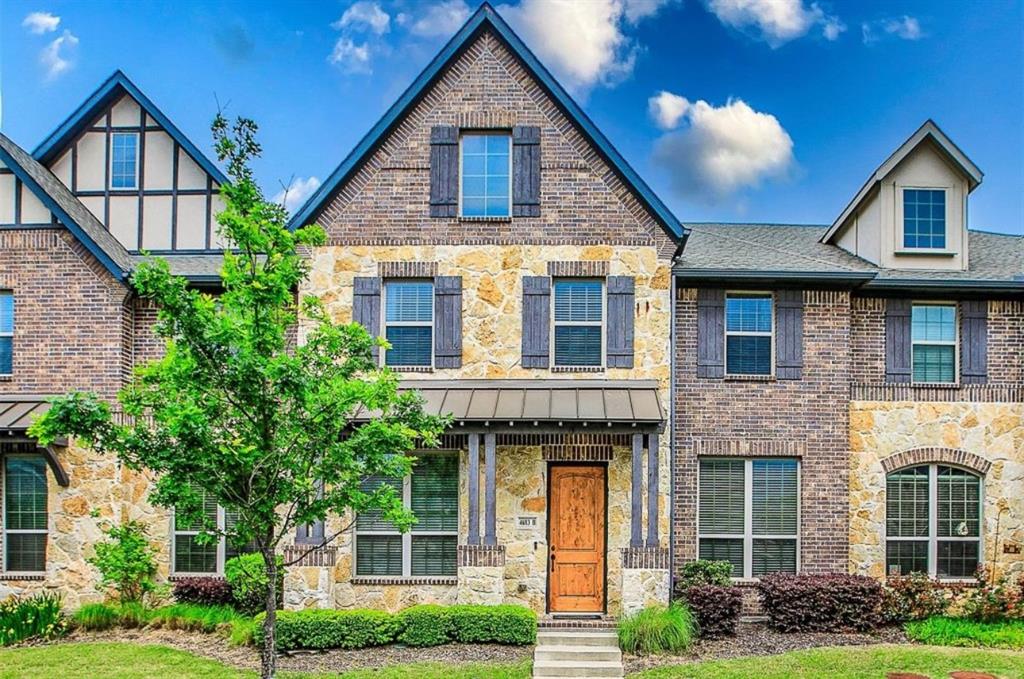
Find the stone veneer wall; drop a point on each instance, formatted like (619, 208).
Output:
(991, 431)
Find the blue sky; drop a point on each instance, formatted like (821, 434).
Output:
(732, 110)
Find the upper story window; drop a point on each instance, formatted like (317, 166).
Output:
(409, 323)
(579, 322)
(748, 333)
(6, 332)
(748, 514)
(933, 336)
(191, 557)
(933, 521)
(24, 514)
(924, 218)
(124, 160)
(430, 548)
(486, 175)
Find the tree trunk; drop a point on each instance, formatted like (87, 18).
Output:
(268, 660)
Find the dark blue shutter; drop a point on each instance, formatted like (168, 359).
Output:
(621, 296)
(525, 171)
(444, 171)
(897, 340)
(536, 321)
(448, 321)
(366, 306)
(710, 333)
(789, 334)
(974, 342)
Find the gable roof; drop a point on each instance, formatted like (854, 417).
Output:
(116, 86)
(487, 18)
(928, 131)
(68, 209)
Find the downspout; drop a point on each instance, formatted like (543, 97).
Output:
(672, 434)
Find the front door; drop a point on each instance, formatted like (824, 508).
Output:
(576, 517)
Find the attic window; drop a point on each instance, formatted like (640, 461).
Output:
(124, 157)
(924, 218)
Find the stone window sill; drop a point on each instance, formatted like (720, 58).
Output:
(23, 576)
(365, 580)
(485, 219)
(749, 378)
(935, 385)
(577, 369)
(412, 368)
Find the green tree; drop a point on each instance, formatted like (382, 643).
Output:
(237, 408)
(127, 563)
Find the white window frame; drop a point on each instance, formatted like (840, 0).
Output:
(221, 547)
(486, 133)
(603, 323)
(21, 531)
(955, 342)
(748, 333)
(902, 225)
(135, 178)
(408, 324)
(933, 538)
(9, 293)
(409, 534)
(748, 535)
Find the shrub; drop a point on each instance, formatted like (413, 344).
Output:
(994, 601)
(96, 617)
(325, 628)
(192, 617)
(914, 597)
(133, 615)
(703, 572)
(821, 603)
(656, 630)
(503, 624)
(205, 591)
(36, 616)
(247, 576)
(426, 625)
(715, 609)
(243, 632)
(127, 563)
(941, 631)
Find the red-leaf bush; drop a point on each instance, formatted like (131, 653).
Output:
(822, 603)
(715, 608)
(205, 591)
(914, 597)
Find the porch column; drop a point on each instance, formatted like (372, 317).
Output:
(490, 533)
(474, 489)
(652, 490)
(636, 499)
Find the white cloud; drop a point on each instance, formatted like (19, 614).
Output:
(775, 21)
(350, 57)
(667, 109)
(723, 149)
(41, 22)
(55, 57)
(582, 42)
(297, 192)
(440, 19)
(365, 15)
(905, 28)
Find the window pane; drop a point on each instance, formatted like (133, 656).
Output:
(724, 549)
(959, 503)
(123, 160)
(378, 555)
(434, 555)
(906, 503)
(748, 354)
(924, 218)
(26, 552)
(6, 312)
(774, 499)
(933, 323)
(192, 557)
(410, 345)
(577, 345)
(904, 558)
(957, 559)
(6, 355)
(934, 363)
(209, 509)
(435, 493)
(721, 496)
(409, 301)
(773, 556)
(372, 520)
(485, 175)
(578, 300)
(25, 493)
(748, 313)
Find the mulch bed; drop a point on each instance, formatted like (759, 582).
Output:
(755, 639)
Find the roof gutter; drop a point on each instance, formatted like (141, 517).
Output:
(851, 278)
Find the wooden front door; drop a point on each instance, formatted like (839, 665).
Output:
(576, 517)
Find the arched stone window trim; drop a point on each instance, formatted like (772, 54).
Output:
(936, 455)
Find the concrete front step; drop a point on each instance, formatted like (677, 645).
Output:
(577, 668)
(571, 637)
(576, 654)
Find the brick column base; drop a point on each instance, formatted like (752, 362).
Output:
(481, 574)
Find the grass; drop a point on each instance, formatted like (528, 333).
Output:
(194, 617)
(871, 662)
(657, 630)
(961, 632)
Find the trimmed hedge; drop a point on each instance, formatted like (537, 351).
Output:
(203, 591)
(426, 625)
(822, 603)
(716, 609)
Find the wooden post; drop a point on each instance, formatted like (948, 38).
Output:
(490, 532)
(636, 501)
(652, 490)
(474, 489)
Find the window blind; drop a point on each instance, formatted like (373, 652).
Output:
(435, 493)
(721, 496)
(774, 497)
(25, 509)
(906, 503)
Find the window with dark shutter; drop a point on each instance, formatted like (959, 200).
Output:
(579, 323)
(748, 334)
(789, 334)
(536, 321)
(444, 171)
(6, 332)
(933, 338)
(974, 342)
(525, 171)
(710, 333)
(448, 321)
(897, 340)
(621, 301)
(409, 323)
(366, 306)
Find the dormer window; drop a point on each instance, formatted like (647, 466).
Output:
(924, 218)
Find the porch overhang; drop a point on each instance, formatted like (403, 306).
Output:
(536, 406)
(16, 416)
